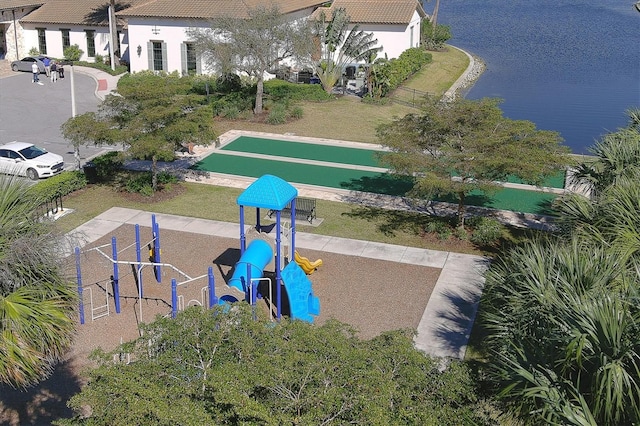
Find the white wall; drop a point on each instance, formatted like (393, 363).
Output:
(77, 36)
(395, 39)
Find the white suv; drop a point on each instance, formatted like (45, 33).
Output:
(26, 159)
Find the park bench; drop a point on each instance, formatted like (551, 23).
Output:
(305, 209)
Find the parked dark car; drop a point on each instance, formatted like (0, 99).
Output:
(24, 64)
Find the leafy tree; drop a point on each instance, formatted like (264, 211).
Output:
(152, 116)
(36, 301)
(432, 35)
(459, 147)
(253, 45)
(340, 46)
(223, 367)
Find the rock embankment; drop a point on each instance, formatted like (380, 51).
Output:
(468, 78)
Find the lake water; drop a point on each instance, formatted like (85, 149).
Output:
(572, 66)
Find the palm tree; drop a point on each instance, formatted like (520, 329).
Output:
(36, 302)
(563, 339)
(340, 46)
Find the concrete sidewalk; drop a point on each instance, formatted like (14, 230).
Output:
(447, 320)
(105, 82)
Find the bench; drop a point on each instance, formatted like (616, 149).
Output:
(305, 209)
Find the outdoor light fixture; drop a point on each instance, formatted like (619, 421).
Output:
(155, 30)
(139, 50)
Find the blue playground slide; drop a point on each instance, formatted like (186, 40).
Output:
(257, 256)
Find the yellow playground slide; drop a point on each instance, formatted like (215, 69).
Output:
(307, 266)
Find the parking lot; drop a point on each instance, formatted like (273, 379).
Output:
(34, 113)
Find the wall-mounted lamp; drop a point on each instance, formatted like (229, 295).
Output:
(139, 50)
(155, 30)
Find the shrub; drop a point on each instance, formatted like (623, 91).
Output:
(34, 52)
(120, 69)
(278, 114)
(59, 185)
(280, 90)
(233, 102)
(387, 76)
(486, 230)
(107, 165)
(73, 53)
(141, 183)
(297, 112)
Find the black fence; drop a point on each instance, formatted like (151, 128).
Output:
(410, 97)
(50, 208)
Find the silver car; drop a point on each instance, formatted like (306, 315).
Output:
(26, 159)
(25, 64)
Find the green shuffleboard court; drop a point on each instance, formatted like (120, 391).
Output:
(305, 151)
(366, 181)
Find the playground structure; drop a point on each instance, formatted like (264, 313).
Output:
(273, 194)
(100, 307)
(268, 192)
(307, 266)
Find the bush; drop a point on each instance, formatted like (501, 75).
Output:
(297, 112)
(141, 183)
(59, 185)
(73, 53)
(486, 230)
(388, 76)
(34, 52)
(280, 90)
(278, 114)
(233, 102)
(107, 165)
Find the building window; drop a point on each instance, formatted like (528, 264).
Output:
(42, 41)
(189, 58)
(91, 43)
(157, 55)
(66, 40)
(411, 36)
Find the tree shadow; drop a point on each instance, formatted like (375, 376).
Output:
(391, 221)
(100, 14)
(43, 403)
(382, 183)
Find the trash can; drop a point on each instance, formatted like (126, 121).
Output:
(90, 172)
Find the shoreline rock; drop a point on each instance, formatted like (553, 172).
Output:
(468, 78)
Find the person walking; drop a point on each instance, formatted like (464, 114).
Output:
(54, 72)
(47, 65)
(36, 71)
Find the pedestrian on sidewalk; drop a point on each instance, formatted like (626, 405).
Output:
(60, 70)
(54, 72)
(47, 65)
(35, 70)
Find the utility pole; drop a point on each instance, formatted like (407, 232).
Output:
(113, 31)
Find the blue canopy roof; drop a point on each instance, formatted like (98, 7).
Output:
(268, 192)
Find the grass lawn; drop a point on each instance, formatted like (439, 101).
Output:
(345, 118)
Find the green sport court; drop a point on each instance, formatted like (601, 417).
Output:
(349, 168)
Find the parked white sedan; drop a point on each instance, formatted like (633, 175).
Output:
(26, 159)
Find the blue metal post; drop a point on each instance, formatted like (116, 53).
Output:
(278, 276)
(174, 298)
(293, 230)
(115, 279)
(139, 258)
(79, 278)
(213, 299)
(243, 238)
(156, 247)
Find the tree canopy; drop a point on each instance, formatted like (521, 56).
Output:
(152, 116)
(253, 45)
(224, 367)
(459, 147)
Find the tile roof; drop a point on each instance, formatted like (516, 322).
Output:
(17, 4)
(206, 9)
(375, 11)
(80, 12)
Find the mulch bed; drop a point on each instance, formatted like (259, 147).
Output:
(371, 295)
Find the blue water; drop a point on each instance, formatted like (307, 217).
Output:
(572, 66)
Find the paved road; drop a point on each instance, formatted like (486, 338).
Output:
(33, 113)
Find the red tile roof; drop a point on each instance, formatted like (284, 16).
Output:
(17, 4)
(375, 11)
(79, 12)
(206, 9)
